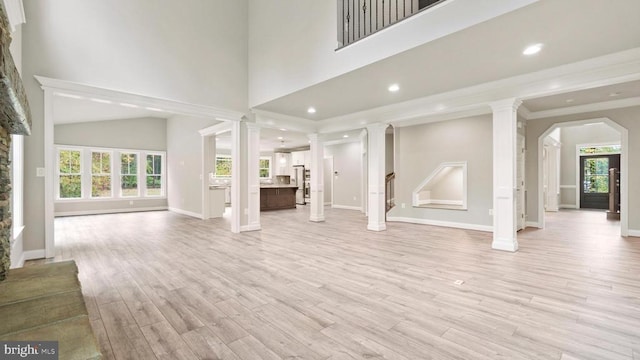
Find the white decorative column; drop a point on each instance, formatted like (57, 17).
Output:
(236, 207)
(253, 177)
(505, 134)
(376, 169)
(317, 178)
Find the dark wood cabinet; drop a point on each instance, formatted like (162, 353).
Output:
(277, 198)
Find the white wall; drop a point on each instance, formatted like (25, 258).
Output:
(136, 134)
(627, 118)
(419, 151)
(141, 133)
(184, 163)
(292, 43)
(347, 184)
(192, 51)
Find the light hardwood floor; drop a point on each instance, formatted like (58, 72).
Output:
(164, 286)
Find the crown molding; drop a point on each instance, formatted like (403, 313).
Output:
(580, 109)
(58, 86)
(475, 100)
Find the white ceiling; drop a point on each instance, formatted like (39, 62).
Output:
(571, 30)
(482, 53)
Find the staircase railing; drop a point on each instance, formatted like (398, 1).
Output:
(358, 19)
(390, 198)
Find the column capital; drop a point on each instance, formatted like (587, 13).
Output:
(314, 137)
(252, 125)
(377, 127)
(506, 104)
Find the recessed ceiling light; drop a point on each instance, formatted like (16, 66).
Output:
(280, 138)
(532, 49)
(129, 105)
(614, 94)
(154, 109)
(394, 87)
(283, 129)
(345, 136)
(311, 110)
(570, 100)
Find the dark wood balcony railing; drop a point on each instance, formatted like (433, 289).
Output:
(390, 197)
(358, 19)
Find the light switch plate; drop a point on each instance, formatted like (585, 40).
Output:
(40, 172)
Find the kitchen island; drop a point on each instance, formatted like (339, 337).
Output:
(277, 197)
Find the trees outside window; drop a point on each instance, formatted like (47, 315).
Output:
(128, 174)
(265, 167)
(85, 173)
(100, 174)
(154, 175)
(223, 166)
(70, 174)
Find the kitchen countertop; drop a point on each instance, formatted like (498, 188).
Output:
(276, 186)
(218, 187)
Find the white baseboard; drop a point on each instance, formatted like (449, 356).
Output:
(534, 224)
(328, 203)
(316, 218)
(345, 207)
(185, 212)
(440, 202)
(108, 211)
(34, 254)
(568, 206)
(634, 233)
(450, 224)
(254, 227)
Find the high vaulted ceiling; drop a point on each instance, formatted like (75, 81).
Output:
(571, 31)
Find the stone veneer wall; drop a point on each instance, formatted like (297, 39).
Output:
(5, 202)
(15, 118)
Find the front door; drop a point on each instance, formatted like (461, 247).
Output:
(594, 177)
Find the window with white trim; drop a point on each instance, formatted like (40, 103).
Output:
(86, 173)
(154, 183)
(265, 167)
(69, 174)
(101, 183)
(129, 175)
(223, 166)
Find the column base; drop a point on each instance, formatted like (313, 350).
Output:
(377, 227)
(505, 245)
(316, 218)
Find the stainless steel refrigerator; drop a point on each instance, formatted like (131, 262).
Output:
(298, 177)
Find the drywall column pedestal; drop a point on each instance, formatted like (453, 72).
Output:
(504, 174)
(317, 178)
(253, 177)
(376, 158)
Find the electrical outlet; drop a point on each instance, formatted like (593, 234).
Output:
(130, 202)
(490, 212)
(355, 198)
(404, 205)
(40, 172)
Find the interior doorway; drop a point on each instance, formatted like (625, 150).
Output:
(595, 184)
(572, 177)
